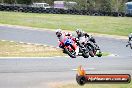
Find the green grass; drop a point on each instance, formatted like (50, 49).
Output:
(97, 86)
(105, 53)
(13, 49)
(96, 24)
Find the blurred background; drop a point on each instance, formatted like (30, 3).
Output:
(79, 7)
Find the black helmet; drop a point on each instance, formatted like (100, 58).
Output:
(79, 31)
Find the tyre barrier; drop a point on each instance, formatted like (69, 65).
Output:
(27, 9)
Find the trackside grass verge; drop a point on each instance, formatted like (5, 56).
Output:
(13, 49)
(97, 86)
(95, 24)
(105, 53)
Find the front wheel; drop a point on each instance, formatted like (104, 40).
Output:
(85, 55)
(71, 54)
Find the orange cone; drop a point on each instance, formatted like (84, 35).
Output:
(81, 71)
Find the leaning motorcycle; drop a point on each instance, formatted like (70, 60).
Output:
(89, 47)
(84, 51)
(70, 47)
(129, 44)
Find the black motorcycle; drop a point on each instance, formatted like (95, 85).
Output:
(129, 44)
(88, 47)
(82, 50)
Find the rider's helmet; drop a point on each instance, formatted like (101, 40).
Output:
(79, 32)
(58, 32)
(130, 37)
(68, 34)
(131, 34)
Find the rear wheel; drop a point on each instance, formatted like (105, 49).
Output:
(91, 49)
(85, 55)
(131, 44)
(91, 53)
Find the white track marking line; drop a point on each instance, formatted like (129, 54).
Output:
(37, 44)
(3, 40)
(84, 69)
(12, 41)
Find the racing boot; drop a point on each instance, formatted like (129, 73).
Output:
(77, 50)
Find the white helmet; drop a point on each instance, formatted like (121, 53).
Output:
(130, 35)
(58, 32)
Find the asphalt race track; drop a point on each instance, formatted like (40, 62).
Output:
(49, 38)
(45, 72)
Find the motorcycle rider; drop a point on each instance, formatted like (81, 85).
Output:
(130, 37)
(62, 36)
(81, 33)
(89, 40)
